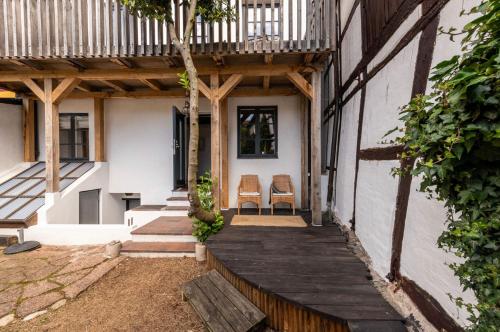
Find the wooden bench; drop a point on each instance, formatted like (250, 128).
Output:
(221, 306)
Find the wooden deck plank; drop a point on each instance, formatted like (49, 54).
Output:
(311, 268)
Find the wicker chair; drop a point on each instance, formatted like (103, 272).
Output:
(249, 191)
(284, 191)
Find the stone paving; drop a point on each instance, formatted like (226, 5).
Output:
(34, 282)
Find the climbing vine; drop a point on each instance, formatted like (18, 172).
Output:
(454, 136)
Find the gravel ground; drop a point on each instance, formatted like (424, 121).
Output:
(140, 294)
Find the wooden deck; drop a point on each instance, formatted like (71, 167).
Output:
(304, 279)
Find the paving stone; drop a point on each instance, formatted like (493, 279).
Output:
(83, 263)
(38, 303)
(69, 278)
(42, 273)
(6, 308)
(79, 286)
(37, 288)
(13, 277)
(58, 304)
(10, 294)
(34, 315)
(6, 320)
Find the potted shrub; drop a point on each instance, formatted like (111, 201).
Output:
(201, 229)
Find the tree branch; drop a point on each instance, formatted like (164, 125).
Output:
(190, 22)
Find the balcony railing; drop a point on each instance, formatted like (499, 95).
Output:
(105, 28)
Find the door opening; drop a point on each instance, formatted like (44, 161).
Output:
(180, 132)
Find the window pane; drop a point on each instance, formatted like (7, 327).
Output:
(64, 122)
(267, 147)
(247, 147)
(65, 151)
(266, 121)
(247, 126)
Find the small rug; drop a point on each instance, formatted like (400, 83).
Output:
(273, 221)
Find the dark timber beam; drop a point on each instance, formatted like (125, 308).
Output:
(99, 129)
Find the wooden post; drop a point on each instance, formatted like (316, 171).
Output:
(224, 155)
(215, 138)
(304, 155)
(51, 139)
(29, 129)
(316, 149)
(99, 129)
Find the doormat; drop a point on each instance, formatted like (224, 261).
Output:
(269, 221)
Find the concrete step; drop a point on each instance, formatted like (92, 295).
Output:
(165, 229)
(158, 249)
(179, 193)
(178, 201)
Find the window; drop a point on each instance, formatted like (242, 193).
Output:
(257, 132)
(74, 136)
(255, 21)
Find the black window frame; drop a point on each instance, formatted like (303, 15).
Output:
(72, 137)
(258, 110)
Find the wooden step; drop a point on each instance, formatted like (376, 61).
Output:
(131, 247)
(175, 208)
(166, 226)
(221, 306)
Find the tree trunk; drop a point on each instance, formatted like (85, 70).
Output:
(195, 206)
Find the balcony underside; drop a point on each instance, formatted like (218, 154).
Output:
(156, 76)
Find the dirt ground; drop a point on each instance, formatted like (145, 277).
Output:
(140, 294)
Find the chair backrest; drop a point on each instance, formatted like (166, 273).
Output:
(282, 182)
(249, 183)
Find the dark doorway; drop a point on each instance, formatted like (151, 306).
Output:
(89, 207)
(180, 132)
(204, 145)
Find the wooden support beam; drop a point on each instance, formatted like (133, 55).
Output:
(122, 62)
(64, 88)
(154, 73)
(304, 153)
(266, 82)
(204, 89)
(308, 58)
(224, 155)
(152, 84)
(301, 83)
(99, 129)
(27, 64)
(229, 85)
(250, 91)
(29, 129)
(33, 86)
(316, 150)
(117, 85)
(75, 64)
(84, 87)
(51, 139)
(268, 59)
(215, 138)
(219, 60)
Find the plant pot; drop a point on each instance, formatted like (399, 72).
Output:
(112, 249)
(200, 251)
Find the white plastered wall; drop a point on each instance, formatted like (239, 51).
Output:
(421, 259)
(288, 161)
(11, 137)
(63, 208)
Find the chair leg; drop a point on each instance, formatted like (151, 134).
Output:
(260, 212)
(272, 209)
(293, 208)
(239, 208)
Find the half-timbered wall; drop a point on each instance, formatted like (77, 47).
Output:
(366, 197)
(11, 136)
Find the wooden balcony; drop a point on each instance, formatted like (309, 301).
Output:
(41, 29)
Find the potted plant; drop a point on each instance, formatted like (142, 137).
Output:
(202, 230)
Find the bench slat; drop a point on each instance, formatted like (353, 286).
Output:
(202, 305)
(251, 312)
(221, 306)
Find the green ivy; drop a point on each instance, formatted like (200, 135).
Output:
(454, 136)
(201, 229)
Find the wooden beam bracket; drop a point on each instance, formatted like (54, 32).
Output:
(301, 83)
